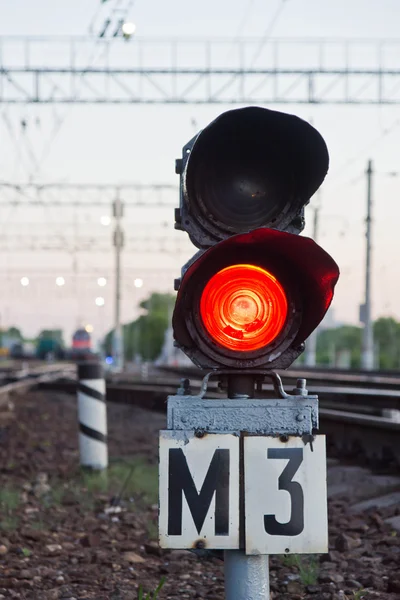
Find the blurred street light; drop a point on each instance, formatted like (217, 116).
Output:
(102, 281)
(24, 281)
(100, 301)
(60, 281)
(89, 328)
(138, 283)
(128, 29)
(105, 220)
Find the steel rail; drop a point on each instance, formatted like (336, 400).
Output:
(24, 383)
(322, 376)
(375, 436)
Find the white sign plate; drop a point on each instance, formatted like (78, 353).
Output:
(199, 490)
(285, 496)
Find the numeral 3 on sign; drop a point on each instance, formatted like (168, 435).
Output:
(285, 496)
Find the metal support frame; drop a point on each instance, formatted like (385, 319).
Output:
(246, 576)
(88, 194)
(297, 415)
(182, 71)
(88, 244)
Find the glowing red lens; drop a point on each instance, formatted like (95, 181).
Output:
(243, 308)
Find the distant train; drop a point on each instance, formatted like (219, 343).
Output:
(49, 345)
(81, 344)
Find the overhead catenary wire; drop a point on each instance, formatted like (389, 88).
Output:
(59, 121)
(19, 159)
(360, 156)
(268, 32)
(89, 194)
(241, 26)
(30, 151)
(244, 19)
(38, 162)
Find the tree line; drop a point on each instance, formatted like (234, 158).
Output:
(346, 341)
(144, 338)
(341, 346)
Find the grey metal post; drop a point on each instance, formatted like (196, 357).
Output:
(310, 358)
(246, 577)
(367, 355)
(118, 344)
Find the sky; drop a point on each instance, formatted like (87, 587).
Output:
(138, 143)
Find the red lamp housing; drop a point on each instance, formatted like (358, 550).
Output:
(252, 300)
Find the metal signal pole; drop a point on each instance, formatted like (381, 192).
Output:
(246, 577)
(118, 343)
(367, 355)
(311, 343)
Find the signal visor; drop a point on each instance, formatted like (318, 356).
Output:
(251, 167)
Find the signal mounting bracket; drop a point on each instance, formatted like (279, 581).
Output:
(258, 374)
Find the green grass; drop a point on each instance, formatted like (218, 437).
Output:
(126, 478)
(131, 477)
(95, 481)
(9, 523)
(151, 595)
(38, 524)
(152, 530)
(290, 560)
(309, 570)
(138, 478)
(57, 494)
(359, 595)
(84, 497)
(9, 500)
(307, 565)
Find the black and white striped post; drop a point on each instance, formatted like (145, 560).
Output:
(92, 415)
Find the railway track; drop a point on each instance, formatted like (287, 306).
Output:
(318, 376)
(355, 419)
(369, 393)
(21, 380)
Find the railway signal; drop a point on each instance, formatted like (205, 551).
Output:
(247, 473)
(257, 290)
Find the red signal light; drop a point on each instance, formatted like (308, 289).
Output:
(243, 307)
(259, 317)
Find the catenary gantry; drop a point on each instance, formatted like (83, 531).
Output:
(90, 70)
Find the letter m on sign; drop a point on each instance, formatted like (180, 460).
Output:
(199, 490)
(216, 482)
